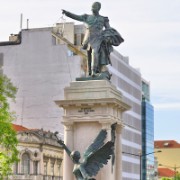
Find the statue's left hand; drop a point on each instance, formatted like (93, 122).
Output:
(63, 11)
(61, 142)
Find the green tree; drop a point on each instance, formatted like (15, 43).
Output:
(8, 139)
(174, 178)
(177, 176)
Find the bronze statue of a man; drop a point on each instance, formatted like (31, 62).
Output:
(98, 40)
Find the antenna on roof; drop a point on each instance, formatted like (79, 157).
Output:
(63, 21)
(27, 23)
(21, 21)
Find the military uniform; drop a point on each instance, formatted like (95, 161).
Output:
(98, 41)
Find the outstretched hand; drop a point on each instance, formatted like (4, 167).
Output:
(63, 11)
(61, 142)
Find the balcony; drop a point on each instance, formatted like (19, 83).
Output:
(35, 177)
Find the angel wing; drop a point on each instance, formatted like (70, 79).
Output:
(96, 144)
(95, 161)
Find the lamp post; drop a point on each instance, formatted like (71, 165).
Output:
(140, 159)
(174, 168)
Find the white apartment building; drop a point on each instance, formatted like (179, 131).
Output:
(128, 81)
(40, 65)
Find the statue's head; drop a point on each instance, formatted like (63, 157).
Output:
(96, 7)
(75, 155)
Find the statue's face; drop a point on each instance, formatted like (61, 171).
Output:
(95, 8)
(76, 156)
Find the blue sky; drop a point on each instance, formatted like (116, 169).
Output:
(151, 29)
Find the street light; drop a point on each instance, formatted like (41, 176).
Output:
(174, 168)
(140, 159)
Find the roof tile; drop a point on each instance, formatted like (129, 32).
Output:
(165, 172)
(19, 127)
(166, 144)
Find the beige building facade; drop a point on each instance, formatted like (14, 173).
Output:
(40, 156)
(169, 157)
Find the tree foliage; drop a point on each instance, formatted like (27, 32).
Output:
(176, 177)
(8, 139)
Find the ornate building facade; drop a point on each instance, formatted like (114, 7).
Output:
(40, 156)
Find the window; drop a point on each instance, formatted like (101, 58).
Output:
(1, 59)
(16, 168)
(45, 167)
(59, 169)
(52, 169)
(59, 161)
(1, 62)
(35, 167)
(25, 165)
(70, 53)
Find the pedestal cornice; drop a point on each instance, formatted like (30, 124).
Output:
(93, 102)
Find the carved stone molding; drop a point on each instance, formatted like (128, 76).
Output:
(68, 126)
(106, 125)
(119, 128)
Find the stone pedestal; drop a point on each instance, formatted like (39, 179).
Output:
(90, 106)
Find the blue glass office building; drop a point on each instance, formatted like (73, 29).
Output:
(147, 134)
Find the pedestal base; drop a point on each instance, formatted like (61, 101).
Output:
(90, 106)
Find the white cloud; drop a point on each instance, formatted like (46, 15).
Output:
(167, 106)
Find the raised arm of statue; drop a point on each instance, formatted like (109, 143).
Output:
(62, 144)
(64, 147)
(74, 16)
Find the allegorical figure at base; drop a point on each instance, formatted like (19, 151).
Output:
(98, 41)
(95, 156)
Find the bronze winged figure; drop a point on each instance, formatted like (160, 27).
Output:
(94, 158)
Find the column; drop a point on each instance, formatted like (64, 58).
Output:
(67, 162)
(119, 152)
(108, 170)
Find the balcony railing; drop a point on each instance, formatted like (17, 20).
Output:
(46, 177)
(34, 177)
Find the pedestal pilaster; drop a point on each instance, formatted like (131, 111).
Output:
(68, 140)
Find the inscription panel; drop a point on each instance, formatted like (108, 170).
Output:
(86, 110)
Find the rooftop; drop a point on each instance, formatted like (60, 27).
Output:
(19, 127)
(166, 144)
(165, 172)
